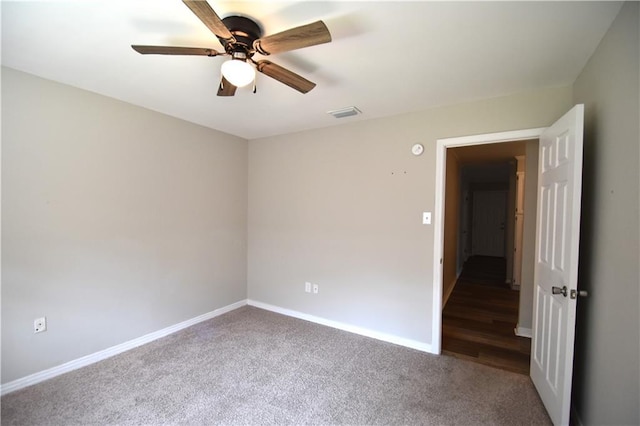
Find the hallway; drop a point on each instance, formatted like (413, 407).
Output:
(480, 316)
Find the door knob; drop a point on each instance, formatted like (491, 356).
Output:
(558, 290)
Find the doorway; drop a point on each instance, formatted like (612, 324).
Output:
(445, 275)
(481, 301)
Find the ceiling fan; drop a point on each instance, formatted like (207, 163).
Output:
(242, 38)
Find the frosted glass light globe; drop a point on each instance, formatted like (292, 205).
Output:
(238, 72)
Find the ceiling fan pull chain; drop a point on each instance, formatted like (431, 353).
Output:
(254, 85)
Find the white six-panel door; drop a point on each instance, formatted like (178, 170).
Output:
(556, 263)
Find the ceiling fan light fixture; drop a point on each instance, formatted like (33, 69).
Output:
(241, 38)
(238, 71)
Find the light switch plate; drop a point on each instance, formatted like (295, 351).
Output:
(426, 218)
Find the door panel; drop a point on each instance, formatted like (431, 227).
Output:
(558, 231)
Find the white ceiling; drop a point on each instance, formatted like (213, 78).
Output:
(386, 58)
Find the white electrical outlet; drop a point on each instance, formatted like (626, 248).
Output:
(315, 289)
(307, 287)
(40, 325)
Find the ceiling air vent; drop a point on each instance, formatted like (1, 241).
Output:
(345, 112)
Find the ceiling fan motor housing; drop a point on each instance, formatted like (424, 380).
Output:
(245, 31)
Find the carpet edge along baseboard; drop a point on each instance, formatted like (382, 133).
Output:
(84, 361)
(385, 337)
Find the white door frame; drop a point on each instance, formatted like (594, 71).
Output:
(438, 218)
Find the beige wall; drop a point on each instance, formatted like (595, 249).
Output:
(607, 361)
(341, 207)
(116, 222)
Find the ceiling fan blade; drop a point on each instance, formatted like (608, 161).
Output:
(172, 50)
(210, 18)
(285, 76)
(225, 88)
(295, 38)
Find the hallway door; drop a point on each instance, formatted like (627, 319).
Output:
(556, 262)
(489, 215)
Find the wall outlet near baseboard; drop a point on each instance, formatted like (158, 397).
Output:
(40, 325)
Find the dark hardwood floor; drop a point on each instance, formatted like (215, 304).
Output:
(480, 316)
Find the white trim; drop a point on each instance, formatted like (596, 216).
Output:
(523, 332)
(438, 219)
(487, 138)
(409, 343)
(50, 373)
(438, 232)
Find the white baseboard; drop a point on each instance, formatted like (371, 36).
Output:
(41, 376)
(409, 343)
(523, 332)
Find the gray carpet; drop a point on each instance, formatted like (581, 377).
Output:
(251, 367)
